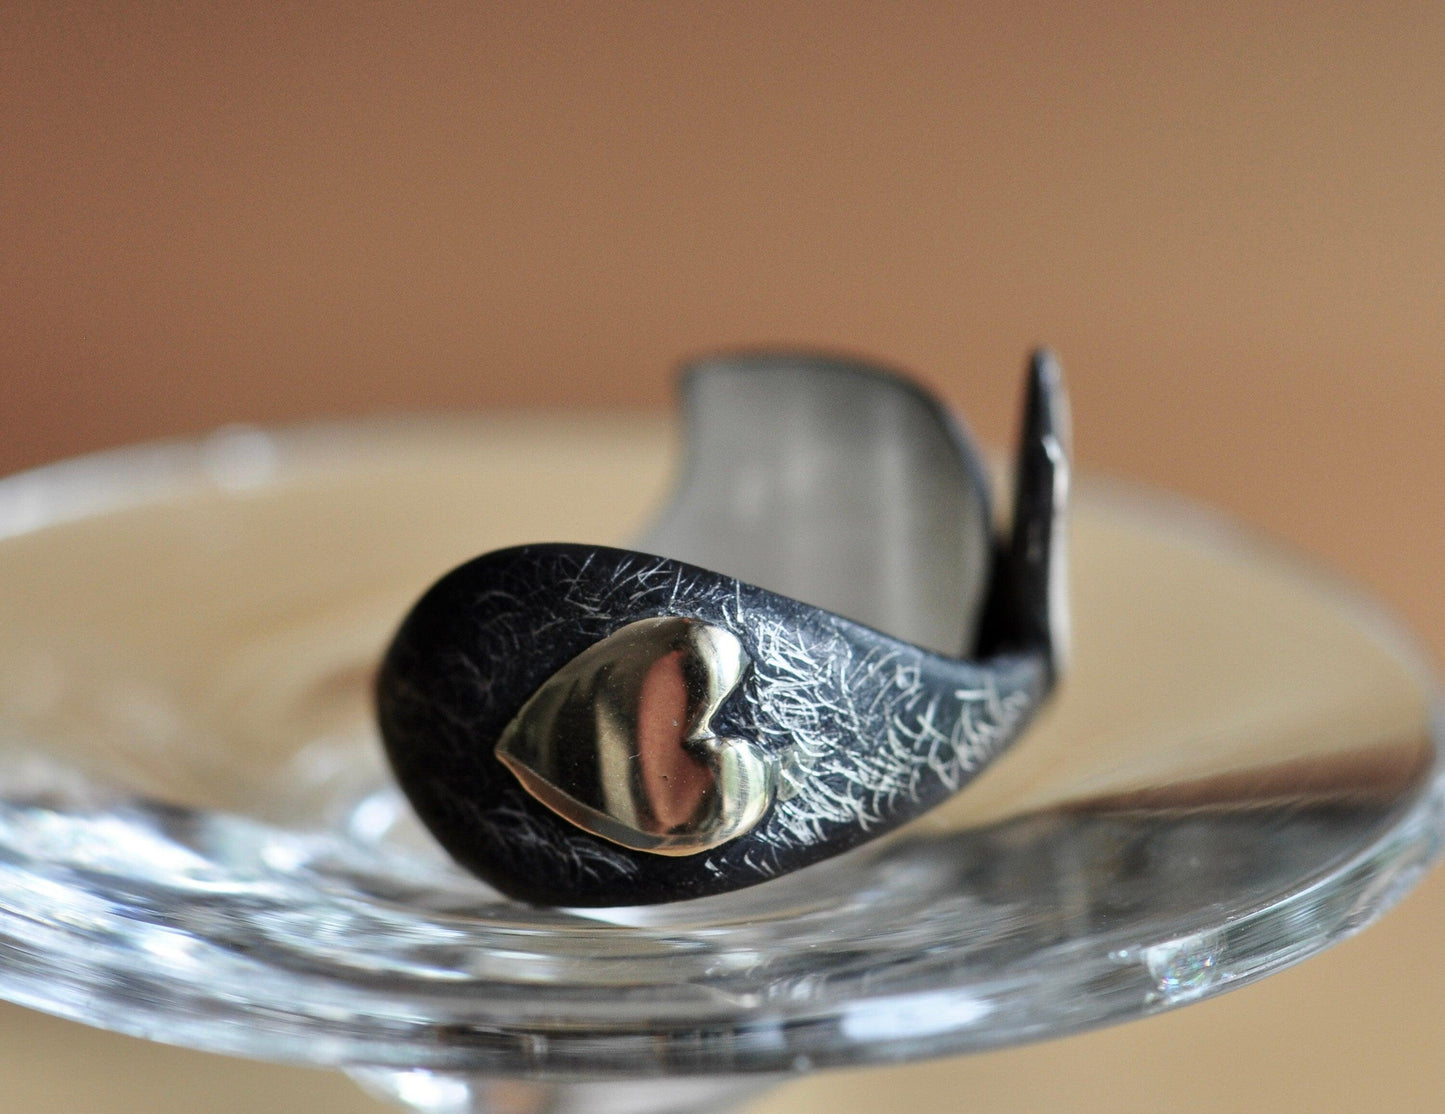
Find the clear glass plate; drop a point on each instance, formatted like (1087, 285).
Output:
(199, 842)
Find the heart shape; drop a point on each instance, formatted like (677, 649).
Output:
(619, 740)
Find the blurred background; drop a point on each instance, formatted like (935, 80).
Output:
(1229, 220)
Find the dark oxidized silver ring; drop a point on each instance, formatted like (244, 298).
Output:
(586, 726)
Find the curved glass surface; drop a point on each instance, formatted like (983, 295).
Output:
(199, 842)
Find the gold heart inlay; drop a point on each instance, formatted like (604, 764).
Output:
(619, 740)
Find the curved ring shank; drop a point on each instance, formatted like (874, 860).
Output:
(587, 726)
(868, 731)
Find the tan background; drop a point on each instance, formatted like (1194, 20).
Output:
(1229, 219)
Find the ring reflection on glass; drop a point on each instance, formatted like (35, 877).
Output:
(820, 638)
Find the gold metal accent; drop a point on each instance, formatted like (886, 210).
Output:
(619, 740)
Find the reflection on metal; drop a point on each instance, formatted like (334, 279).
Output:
(619, 740)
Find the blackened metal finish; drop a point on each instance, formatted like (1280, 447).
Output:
(1028, 603)
(868, 731)
(873, 731)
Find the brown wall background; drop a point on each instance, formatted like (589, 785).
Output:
(1228, 218)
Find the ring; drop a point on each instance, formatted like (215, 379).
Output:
(586, 726)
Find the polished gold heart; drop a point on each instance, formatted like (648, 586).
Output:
(619, 740)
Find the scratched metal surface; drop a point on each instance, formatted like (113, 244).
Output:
(869, 730)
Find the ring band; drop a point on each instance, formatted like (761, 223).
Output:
(587, 726)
